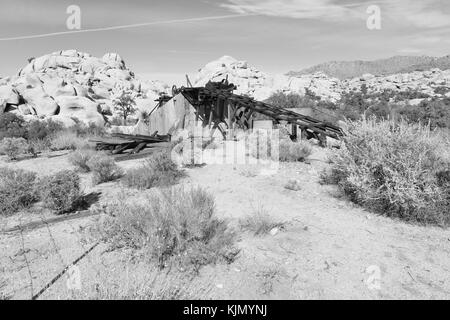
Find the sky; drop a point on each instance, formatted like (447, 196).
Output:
(166, 39)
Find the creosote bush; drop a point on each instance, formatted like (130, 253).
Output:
(172, 226)
(396, 169)
(103, 168)
(158, 170)
(61, 191)
(13, 147)
(17, 190)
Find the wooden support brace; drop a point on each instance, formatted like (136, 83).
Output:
(139, 147)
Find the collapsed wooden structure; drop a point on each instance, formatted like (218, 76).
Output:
(119, 143)
(216, 107)
(219, 108)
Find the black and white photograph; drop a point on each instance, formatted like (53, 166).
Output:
(208, 151)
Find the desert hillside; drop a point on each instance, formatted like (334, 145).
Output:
(398, 64)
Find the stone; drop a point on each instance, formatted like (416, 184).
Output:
(40, 101)
(101, 92)
(25, 109)
(8, 95)
(82, 108)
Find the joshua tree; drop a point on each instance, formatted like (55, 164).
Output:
(124, 103)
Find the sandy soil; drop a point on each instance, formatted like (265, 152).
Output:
(328, 249)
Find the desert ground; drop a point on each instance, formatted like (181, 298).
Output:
(325, 247)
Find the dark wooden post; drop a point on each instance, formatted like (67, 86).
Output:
(294, 132)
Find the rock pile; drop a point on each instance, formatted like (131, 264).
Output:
(260, 85)
(69, 84)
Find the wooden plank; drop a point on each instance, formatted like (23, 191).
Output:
(122, 148)
(139, 147)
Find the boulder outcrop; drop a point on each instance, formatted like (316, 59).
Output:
(67, 84)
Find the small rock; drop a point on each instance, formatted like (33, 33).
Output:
(220, 286)
(274, 231)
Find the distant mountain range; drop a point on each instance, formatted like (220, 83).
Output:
(398, 64)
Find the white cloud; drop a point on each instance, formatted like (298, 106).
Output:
(418, 13)
(308, 9)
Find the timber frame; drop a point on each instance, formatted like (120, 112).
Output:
(219, 108)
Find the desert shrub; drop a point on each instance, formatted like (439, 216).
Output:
(38, 146)
(80, 158)
(249, 171)
(293, 184)
(68, 140)
(90, 129)
(173, 225)
(259, 222)
(321, 110)
(104, 168)
(394, 169)
(290, 100)
(158, 170)
(61, 191)
(435, 112)
(294, 151)
(17, 190)
(39, 130)
(12, 126)
(13, 147)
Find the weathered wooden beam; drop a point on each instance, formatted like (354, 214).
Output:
(139, 147)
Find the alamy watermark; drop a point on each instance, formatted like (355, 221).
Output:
(73, 21)
(373, 281)
(255, 147)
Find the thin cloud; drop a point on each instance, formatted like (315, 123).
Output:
(303, 9)
(128, 26)
(418, 13)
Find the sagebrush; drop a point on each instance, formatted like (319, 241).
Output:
(397, 169)
(290, 151)
(104, 168)
(13, 147)
(17, 190)
(173, 225)
(68, 140)
(61, 191)
(80, 158)
(158, 170)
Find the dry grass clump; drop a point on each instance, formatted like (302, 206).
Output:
(68, 140)
(61, 191)
(249, 171)
(13, 147)
(17, 190)
(104, 168)
(173, 225)
(138, 280)
(293, 184)
(259, 222)
(294, 151)
(80, 158)
(263, 144)
(158, 170)
(397, 169)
